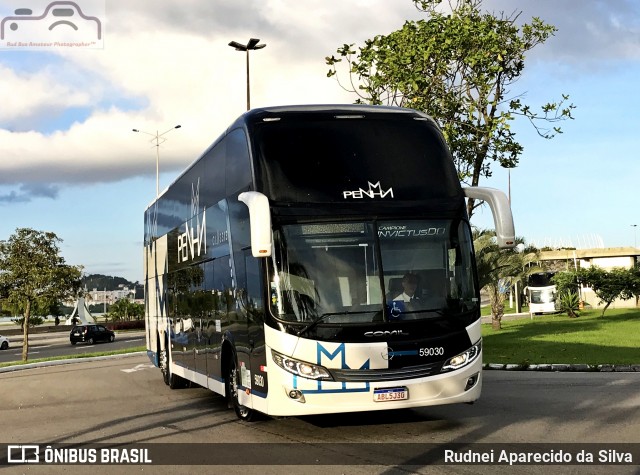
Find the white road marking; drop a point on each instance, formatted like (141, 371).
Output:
(138, 367)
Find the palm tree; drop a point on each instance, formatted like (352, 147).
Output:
(498, 268)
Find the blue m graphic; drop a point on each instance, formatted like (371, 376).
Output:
(340, 350)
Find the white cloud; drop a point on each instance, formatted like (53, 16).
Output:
(589, 31)
(167, 63)
(26, 97)
(186, 75)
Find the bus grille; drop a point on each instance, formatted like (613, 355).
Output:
(373, 375)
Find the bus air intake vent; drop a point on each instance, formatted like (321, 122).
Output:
(373, 375)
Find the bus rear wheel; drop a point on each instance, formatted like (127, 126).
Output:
(163, 363)
(170, 379)
(243, 412)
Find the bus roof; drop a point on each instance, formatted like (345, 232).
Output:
(337, 111)
(330, 109)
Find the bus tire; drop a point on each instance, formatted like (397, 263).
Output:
(170, 379)
(163, 362)
(243, 412)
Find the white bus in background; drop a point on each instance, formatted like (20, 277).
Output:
(541, 293)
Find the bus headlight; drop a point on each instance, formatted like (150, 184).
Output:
(300, 368)
(464, 358)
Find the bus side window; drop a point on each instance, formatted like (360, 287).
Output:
(237, 163)
(222, 285)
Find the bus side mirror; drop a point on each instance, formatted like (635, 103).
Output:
(501, 210)
(260, 222)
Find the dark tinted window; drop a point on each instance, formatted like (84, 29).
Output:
(238, 167)
(541, 279)
(319, 158)
(212, 188)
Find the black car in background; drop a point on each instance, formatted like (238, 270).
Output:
(91, 333)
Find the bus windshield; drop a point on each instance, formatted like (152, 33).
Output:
(320, 159)
(359, 272)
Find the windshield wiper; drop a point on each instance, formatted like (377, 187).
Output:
(318, 320)
(439, 311)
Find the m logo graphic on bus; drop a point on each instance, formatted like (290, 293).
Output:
(331, 387)
(374, 191)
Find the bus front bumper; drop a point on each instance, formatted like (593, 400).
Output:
(293, 396)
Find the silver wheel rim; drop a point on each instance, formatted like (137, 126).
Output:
(242, 411)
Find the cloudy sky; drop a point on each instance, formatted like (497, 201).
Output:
(70, 163)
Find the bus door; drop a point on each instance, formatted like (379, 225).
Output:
(253, 305)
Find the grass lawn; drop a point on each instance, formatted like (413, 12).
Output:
(486, 310)
(589, 339)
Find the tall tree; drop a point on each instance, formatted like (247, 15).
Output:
(34, 275)
(499, 268)
(124, 309)
(616, 283)
(608, 285)
(457, 67)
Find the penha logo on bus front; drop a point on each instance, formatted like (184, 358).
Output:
(374, 191)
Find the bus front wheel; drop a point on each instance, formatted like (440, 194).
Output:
(243, 412)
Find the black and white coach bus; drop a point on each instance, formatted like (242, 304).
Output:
(318, 259)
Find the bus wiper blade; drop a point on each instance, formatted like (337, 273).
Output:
(444, 312)
(439, 311)
(314, 323)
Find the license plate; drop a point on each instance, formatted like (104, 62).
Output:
(390, 394)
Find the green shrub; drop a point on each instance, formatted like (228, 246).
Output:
(570, 303)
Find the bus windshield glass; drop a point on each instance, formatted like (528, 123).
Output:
(349, 273)
(322, 158)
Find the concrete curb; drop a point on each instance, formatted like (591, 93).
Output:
(557, 367)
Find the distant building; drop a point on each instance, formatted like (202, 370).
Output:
(605, 258)
(108, 297)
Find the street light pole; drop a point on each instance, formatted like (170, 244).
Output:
(251, 45)
(635, 241)
(508, 167)
(156, 138)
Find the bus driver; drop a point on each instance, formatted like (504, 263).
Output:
(409, 286)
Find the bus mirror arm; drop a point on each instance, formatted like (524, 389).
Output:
(260, 222)
(501, 210)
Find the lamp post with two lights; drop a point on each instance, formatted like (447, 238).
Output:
(251, 45)
(156, 138)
